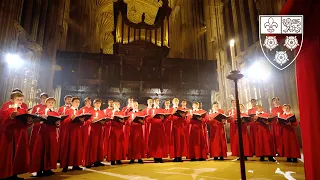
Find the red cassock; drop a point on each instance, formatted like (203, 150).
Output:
(247, 147)
(63, 109)
(86, 129)
(231, 112)
(276, 128)
(95, 151)
(14, 146)
(126, 110)
(186, 129)
(45, 153)
(157, 140)
(116, 146)
(217, 138)
(167, 129)
(264, 144)
(136, 148)
(253, 127)
(198, 137)
(147, 111)
(106, 133)
(71, 148)
(36, 126)
(178, 145)
(289, 146)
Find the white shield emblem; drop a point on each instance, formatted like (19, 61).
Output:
(281, 38)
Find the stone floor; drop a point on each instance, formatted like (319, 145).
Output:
(204, 170)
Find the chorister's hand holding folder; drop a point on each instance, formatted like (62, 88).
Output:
(265, 120)
(196, 115)
(106, 119)
(139, 118)
(246, 118)
(179, 112)
(118, 118)
(85, 116)
(35, 118)
(53, 119)
(290, 119)
(219, 117)
(157, 115)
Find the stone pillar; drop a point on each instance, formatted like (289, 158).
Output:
(253, 20)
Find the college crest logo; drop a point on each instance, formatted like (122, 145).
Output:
(281, 38)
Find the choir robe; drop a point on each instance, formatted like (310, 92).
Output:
(231, 112)
(36, 126)
(157, 139)
(264, 144)
(276, 128)
(94, 151)
(253, 127)
(167, 129)
(106, 133)
(198, 137)
(217, 138)
(147, 111)
(14, 146)
(63, 109)
(71, 146)
(117, 145)
(136, 148)
(126, 110)
(289, 146)
(45, 153)
(187, 129)
(247, 147)
(178, 145)
(86, 129)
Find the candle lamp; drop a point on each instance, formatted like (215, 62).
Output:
(235, 76)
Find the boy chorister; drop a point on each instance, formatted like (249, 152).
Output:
(14, 147)
(264, 145)
(45, 153)
(167, 125)
(178, 145)
(147, 111)
(289, 146)
(186, 124)
(198, 147)
(95, 152)
(107, 127)
(116, 146)
(71, 152)
(275, 111)
(7, 104)
(136, 149)
(37, 126)
(231, 113)
(157, 139)
(251, 113)
(247, 147)
(63, 109)
(217, 139)
(86, 125)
